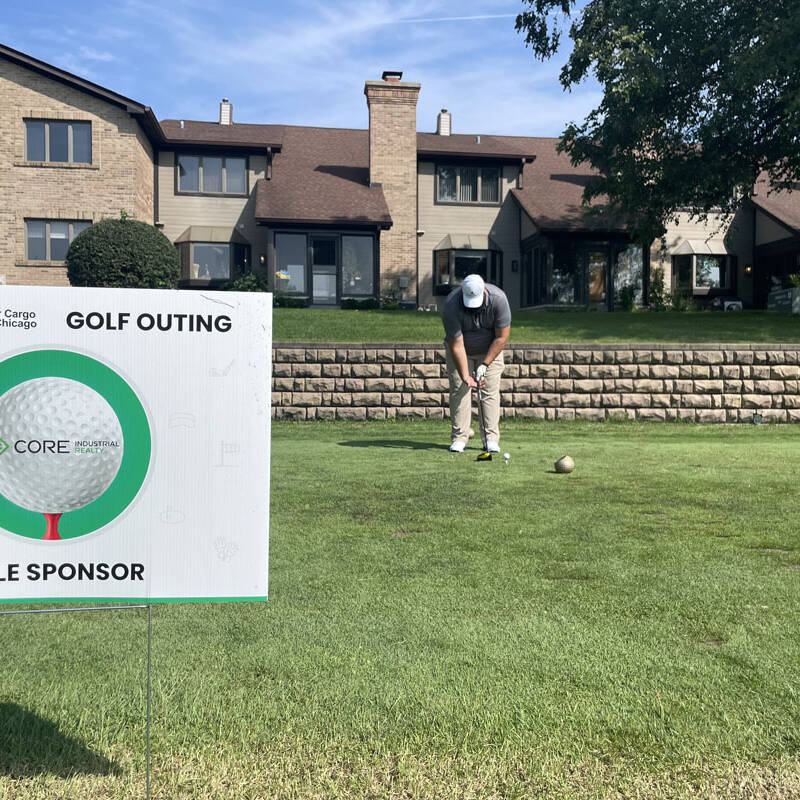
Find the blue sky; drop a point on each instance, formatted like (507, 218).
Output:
(304, 63)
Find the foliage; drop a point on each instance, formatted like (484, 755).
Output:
(680, 300)
(794, 280)
(123, 253)
(390, 300)
(658, 300)
(249, 282)
(286, 301)
(626, 298)
(699, 98)
(365, 304)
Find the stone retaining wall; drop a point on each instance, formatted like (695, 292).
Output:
(697, 383)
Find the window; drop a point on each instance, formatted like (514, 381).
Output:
(49, 240)
(58, 142)
(711, 272)
(212, 174)
(467, 184)
(452, 266)
(358, 255)
(290, 262)
(213, 262)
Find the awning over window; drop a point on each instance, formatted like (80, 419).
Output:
(467, 241)
(700, 247)
(211, 233)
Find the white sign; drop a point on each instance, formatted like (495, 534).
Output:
(134, 444)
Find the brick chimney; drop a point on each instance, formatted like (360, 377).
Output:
(225, 112)
(392, 107)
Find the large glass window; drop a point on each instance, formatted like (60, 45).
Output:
(212, 174)
(212, 261)
(291, 253)
(450, 267)
(49, 240)
(58, 142)
(357, 265)
(629, 273)
(467, 184)
(711, 272)
(567, 280)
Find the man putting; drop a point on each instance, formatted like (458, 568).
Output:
(477, 321)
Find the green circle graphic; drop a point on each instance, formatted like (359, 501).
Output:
(135, 436)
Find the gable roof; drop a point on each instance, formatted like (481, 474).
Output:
(143, 113)
(237, 134)
(552, 193)
(322, 177)
(784, 206)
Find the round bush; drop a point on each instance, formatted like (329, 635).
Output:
(123, 253)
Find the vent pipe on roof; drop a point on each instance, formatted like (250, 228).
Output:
(444, 122)
(181, 124)
(225, 112)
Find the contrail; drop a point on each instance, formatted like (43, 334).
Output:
(452, 19)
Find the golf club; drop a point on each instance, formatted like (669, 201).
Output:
(485, 455)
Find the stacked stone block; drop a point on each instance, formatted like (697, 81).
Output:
(694, 383)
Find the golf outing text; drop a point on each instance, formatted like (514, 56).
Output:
(191, 323)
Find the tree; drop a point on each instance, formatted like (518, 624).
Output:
(123, 253)
(700, 97)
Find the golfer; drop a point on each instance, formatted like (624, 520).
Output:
(477, 321)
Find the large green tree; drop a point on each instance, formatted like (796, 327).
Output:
(699, 98)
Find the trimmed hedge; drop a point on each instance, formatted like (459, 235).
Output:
(123, 253)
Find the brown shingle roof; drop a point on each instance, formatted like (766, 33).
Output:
(236, 134)
(784, 206)
(552, 190)
(460, 144)
(321, 176)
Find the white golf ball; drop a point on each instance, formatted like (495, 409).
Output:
(63, 445)
(506, 456)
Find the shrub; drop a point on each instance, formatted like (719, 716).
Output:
(249, 282)
(626, 297)
(367, 304)
(681, 301)
(794, 280)
(123, 253)
(657, 296)
(284, 301)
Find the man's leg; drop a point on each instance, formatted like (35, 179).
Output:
(460, 402)
(491, 400)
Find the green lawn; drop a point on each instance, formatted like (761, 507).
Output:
(443, 628)
(324, 325)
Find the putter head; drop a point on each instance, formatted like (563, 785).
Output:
(485, 456)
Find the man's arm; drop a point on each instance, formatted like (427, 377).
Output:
(499, 343)
(459, 354)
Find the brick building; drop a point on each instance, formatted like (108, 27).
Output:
(329, 214)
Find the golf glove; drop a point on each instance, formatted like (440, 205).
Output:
(480, 373)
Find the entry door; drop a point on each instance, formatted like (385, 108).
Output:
(324, 264)
(598, 268)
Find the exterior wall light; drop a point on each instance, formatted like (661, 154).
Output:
(748, 269)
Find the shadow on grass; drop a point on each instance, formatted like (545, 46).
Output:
(31, 746)
(399, 444)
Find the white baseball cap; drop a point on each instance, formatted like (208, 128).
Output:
(472, 291)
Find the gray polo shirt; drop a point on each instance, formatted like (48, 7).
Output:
(476, 325)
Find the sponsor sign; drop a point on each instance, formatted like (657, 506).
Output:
(134, 444)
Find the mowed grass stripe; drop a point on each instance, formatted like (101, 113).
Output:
(440, 627)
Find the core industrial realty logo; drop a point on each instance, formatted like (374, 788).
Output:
(74, 443)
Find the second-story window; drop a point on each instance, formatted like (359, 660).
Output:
(58, 142)
(467, 184)
(212, 175)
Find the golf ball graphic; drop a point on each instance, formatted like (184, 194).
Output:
(63, 447)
